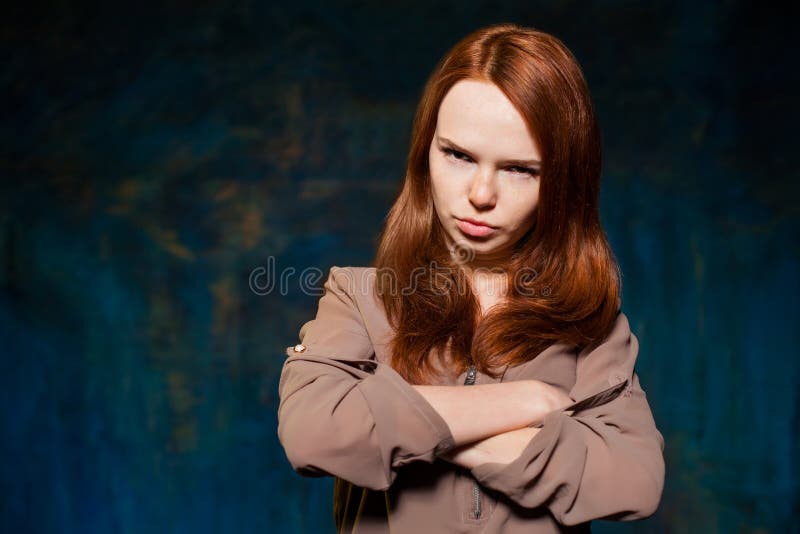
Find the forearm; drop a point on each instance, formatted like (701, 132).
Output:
(477, 412)
(502, 448)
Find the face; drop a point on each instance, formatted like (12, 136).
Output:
(484, 169)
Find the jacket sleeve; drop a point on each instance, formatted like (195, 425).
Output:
(343, 413)
(605, 459)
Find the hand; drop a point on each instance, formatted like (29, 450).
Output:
(546, 398)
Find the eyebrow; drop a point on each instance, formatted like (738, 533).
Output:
(522, 162)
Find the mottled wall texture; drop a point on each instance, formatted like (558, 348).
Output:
(152, 158)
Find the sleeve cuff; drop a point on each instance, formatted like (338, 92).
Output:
(401, 410)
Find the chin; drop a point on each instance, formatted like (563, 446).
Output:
(482, 247)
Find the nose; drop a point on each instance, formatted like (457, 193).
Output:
(483, 190)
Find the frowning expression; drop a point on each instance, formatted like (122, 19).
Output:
(484, 170)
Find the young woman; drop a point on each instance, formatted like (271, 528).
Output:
(493, 272)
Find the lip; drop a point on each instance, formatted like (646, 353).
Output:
(474, 227)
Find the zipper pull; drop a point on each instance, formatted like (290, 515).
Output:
(471, 374)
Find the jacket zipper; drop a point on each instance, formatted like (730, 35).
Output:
(476, 489)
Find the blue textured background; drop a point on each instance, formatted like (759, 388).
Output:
(153, 157)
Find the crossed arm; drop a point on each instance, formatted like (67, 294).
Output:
(344, 413)
(489, 421)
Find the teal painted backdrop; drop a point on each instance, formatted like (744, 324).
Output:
(154, 157)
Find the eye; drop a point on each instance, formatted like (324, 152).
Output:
(455, 154)
(524, 170)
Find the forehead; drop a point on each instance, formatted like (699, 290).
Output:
(477, 115)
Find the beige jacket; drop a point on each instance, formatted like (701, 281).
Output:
(345, 412)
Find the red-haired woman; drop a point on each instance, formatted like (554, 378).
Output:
(493, 271)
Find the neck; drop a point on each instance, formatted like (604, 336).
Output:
(486, 281)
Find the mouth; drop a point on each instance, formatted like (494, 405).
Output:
(475, 228)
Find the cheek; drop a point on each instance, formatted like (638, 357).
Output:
(442, 183)
(524, 207)
(437, 165)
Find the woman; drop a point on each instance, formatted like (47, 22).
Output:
(492, 271)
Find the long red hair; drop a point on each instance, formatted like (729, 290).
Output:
(565, 282)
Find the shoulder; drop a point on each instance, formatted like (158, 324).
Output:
(357, 282)
(618, 337)
(622, 327)
(357, 285)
